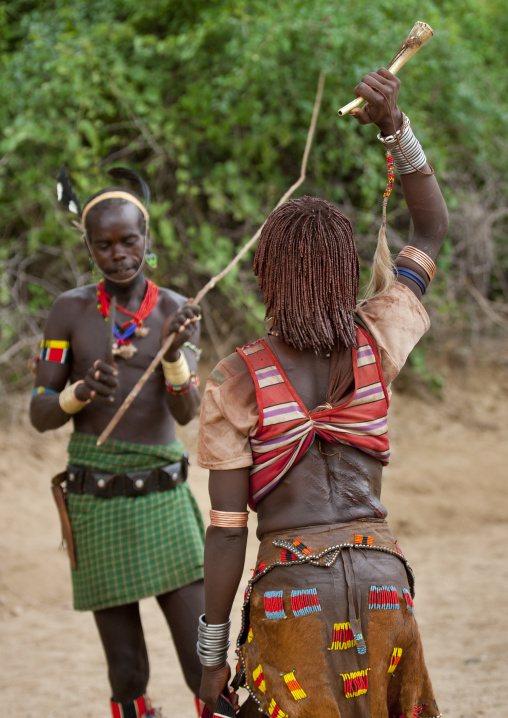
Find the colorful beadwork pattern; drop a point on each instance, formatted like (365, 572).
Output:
(391, 176)
(363, 540)
(259, 569)
(259, 678)
(301, 547)
(399, 551)
(287, 556)
(296, 690)
(177, 389)
(342, 637)
(194, 349)
(394, 660)
(383, 597)
(250, 635)
(417, 710)
(42, 390)
(355, 684)
(274, 710)
(57, 351)
(304, 602)
(274, 605)
(360, 643)
(408, 600)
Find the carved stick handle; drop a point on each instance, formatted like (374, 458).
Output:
(416, 39)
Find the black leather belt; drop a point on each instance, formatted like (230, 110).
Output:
(81, 480)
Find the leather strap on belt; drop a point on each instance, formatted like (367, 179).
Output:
(81, 480)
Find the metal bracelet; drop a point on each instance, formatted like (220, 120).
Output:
(408, 155)
(213, 642)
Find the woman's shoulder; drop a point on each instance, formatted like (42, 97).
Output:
(232, 366)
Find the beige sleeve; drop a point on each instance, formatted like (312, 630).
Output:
(397, 321)
(229, 415)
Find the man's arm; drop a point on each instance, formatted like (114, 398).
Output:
(54, 369)
(180, 363)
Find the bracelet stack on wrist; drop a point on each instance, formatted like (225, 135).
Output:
(405, 149)
(68, 400)
(213, 642)
(177, 375)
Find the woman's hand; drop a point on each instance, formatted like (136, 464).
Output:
(381, 90)
(183, 324)
(99, 383)
(213, 682)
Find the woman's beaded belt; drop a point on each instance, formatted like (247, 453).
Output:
(81, 480)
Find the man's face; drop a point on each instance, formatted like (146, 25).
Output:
(117, 242)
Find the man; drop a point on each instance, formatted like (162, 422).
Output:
(136, 527)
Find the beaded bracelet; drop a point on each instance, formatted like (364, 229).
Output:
(68, 400)
(177, 389)
(418, 257)
(197, 351)
(43, 390)
(403, 272)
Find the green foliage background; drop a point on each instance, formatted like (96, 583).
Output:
(211, 100)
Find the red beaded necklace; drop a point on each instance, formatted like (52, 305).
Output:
(122, 345)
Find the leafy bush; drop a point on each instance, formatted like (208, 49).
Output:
(212, 102)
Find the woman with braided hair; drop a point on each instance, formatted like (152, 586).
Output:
(295, 426)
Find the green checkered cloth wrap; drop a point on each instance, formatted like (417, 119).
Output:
(117, 456)
(129, 548)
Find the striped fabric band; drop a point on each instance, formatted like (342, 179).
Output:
(287, 429)
(53, 350)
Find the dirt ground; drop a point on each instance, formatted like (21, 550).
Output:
(445, 492)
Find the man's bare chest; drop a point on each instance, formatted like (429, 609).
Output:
(91, 336)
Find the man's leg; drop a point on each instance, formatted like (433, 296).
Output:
(124, 645)
(182, 609)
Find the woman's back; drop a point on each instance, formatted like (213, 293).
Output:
(333, 482)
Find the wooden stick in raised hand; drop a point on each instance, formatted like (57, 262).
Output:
(213, 281)
(416, 39)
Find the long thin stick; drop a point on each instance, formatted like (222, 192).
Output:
(416, 39)
(213, 281)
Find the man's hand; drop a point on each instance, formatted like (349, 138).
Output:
(182, 323)
(381, 90)
(99, 383)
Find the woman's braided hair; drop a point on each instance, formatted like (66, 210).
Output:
(308, 269)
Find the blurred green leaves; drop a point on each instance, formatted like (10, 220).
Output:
(212, 101)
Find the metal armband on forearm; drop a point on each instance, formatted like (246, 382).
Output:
(68, 400)
(213, 642)
(408, 155)
(420, 258)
